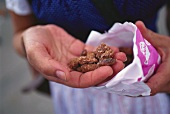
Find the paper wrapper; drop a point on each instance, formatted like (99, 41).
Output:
(130, 80)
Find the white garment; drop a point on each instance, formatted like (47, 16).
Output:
(20, 7)
(69, 100)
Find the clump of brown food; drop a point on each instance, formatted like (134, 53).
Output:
(89, 61)
(129, 54)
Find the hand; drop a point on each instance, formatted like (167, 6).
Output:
(49, 49)
(160, 81)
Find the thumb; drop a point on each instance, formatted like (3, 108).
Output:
(40, 59)
(150, 36)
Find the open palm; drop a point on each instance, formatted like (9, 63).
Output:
(49, 49)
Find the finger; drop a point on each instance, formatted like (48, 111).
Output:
(94, 77)
(89, 47)
(118, 66)
(154, 85)
(115, 49)
(76, 47)
(39, 58)
(88, 79)
(150, 36)
(121, 56)
(160, 81)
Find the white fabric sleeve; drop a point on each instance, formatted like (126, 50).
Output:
(20, 7)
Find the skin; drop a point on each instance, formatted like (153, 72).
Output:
(20, 24)
(160, 81)
(48, 49)
(168, 17)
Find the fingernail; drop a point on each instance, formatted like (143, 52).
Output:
(61, 75)
(125, 59)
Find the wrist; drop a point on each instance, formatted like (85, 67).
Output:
(19, 44)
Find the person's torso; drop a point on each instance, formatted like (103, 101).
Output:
(80, 17)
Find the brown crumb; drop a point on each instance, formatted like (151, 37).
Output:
(89, 61)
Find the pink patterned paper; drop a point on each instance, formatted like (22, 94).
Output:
(149, 57)
(129, 81)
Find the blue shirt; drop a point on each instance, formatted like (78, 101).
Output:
(79, 17)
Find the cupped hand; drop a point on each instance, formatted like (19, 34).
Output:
(49, 49)
(160, 81)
